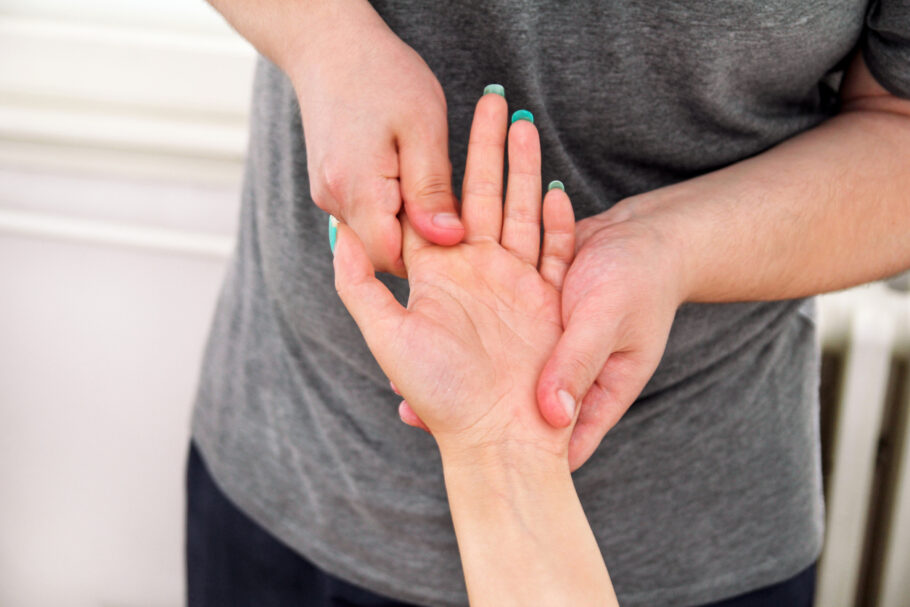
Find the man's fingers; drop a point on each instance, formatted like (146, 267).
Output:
(521, 217)
(426, 181)
(375, 310)
(575, 364)
(558, 236)
(481, 194)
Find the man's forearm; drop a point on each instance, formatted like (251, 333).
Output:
(523, 536)
(825, 210)
(282, 30)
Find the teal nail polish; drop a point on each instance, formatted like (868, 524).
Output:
(333, 232)
(523, 115)
(496, 89)
(556, 184)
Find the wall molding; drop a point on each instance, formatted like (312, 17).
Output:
(109, 233)
(69, 86)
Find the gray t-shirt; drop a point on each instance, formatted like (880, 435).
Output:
(710, 486)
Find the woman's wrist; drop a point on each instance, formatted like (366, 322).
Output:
(500, 460)
(522, 533)
(517, 445)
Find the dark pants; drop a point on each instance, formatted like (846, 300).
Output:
(231, 561)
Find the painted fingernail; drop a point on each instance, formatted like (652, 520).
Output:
(567, 402)
(333, 232)
(448, 221)
(496, 89)
(523, 115)
(557, 185)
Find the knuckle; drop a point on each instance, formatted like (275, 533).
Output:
(580, 366)
(483, 188)
(558, 249)
(334, 178)
(321, 198)
(522, 215)
(431, 123)
(432, 186)
(429, 134)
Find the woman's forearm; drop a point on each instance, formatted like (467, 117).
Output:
(825, 210)
(523, 536)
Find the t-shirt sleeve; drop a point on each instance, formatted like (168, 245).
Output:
(886, 44)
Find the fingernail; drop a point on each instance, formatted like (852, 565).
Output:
(556, 184)
(567, 401)
(523, 115)
(448, 221)
(394, 387)
(333, 232)
(496, 89)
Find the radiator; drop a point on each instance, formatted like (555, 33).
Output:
(866, 447)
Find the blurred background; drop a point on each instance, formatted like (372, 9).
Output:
(122, 135)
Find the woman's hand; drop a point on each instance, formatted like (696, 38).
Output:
(483, 315)
(466, 353)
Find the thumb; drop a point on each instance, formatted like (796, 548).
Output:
(370, 303)
(618, 385)
(577, 360)
(426, 184)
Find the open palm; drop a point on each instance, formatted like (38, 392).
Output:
(483, 315)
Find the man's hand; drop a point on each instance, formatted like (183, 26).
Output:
(374, 121)
(618, 302)
(374, 118)
(824, 210)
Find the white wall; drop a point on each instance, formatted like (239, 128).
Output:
(122, 132)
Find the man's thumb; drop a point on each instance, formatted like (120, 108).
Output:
(572, 369)
(426, 186)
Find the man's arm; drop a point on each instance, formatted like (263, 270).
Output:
(825, 210)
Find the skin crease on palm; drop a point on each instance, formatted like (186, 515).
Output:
(483, 315)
